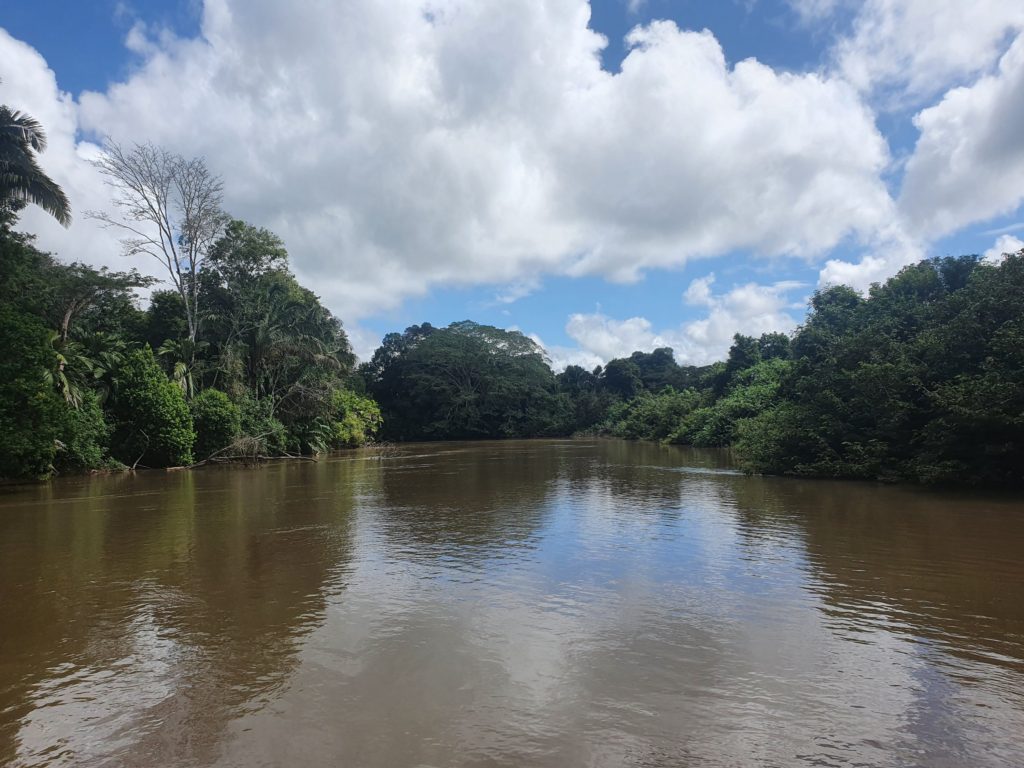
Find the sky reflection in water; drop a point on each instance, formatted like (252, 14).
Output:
(523, 603)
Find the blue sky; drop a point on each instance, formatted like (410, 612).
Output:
(472, 195)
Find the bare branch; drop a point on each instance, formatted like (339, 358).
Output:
(170, 209)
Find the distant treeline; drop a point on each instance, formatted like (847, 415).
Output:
(922, 380)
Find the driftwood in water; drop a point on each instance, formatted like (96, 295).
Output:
(243, 450)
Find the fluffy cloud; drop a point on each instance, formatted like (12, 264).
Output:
(402, 145)
(681, 156)
(919, 47)
(970, 152)
(751, 309)
(1005, 244)
(969, 160)
(894, 250)
(29, 85)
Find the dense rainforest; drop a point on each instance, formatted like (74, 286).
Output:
(90, 380)
(922, 379)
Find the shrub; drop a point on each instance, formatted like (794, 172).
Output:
(83, 437)
(784, 439)
(258, 423)
(653, 417)
(154, 426)
(217, 422)
(755, 390)
(27, 405)
(355, 418)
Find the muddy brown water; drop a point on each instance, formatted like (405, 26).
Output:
(541, 603)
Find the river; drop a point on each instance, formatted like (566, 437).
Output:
(527, 603)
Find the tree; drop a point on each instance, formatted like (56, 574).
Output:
(216, 420)
(355, 418)
(41, 432)
(181, 357)
(923, 380)
(654, 417)
(27, 404)
(774, 346)
(464, 381)
(622, 377)
(154, 426)
(658, 369)
(165, 319)
(77, 288)
(170, 209)
(22, 180)
(744, 353)
(268, 334)
(244, 253)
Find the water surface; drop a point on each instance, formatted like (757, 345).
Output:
(541, 603)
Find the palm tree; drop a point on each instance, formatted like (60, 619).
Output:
(21, 179)
(63, 377)
(182, 355)
(85, 365)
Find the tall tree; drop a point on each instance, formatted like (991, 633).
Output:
(75, 289)
(170, 209)
(22, 180)
(464, 381)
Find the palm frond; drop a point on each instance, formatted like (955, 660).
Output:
(21, 178)
(24, 129)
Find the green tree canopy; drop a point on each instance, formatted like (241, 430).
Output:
(464, 381)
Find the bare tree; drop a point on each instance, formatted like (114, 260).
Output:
(170, 209)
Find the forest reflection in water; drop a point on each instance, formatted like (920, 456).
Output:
(517, 603)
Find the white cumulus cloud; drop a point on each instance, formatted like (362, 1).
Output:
(969, 160)
(397, 146)
(919, 48)
(30, 86)
(1004, 245)
(751, 309)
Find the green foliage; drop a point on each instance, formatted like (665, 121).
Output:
(216, 420)
(165, 319)
(23, 270)
(30, 410)
(266, 342)
(42, 432)
(923, 381)
(245, 253)
(153, 423)
(744, 353)
(781, 440)
(269, 337)
(80, 298)
(22, 180)
(257, 421)
(356, 419)
(83, 437)
(584, 400)
(774, 346)
(464, 381)
(754, 390)
(622, 378)
(653, 417)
